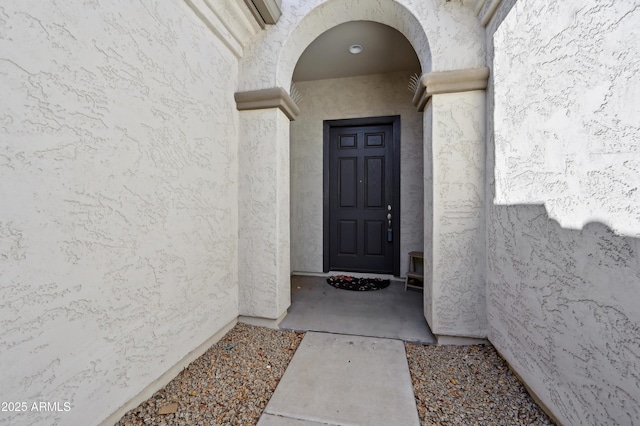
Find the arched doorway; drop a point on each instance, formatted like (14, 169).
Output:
(452, 132)
(337, 85)
(356, 156)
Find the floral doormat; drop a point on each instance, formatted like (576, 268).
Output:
(346, 282)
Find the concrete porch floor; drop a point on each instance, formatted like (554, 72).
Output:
(390, 313)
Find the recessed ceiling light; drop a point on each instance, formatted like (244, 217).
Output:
(354, 49)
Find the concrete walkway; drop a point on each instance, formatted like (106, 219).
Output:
(344, 380)
(390, 313)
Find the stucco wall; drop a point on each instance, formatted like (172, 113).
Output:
(445, 35)
(118, 189)
(458, 277)
(264, 260)
(427, 152)
(563, 279)
(365, 96)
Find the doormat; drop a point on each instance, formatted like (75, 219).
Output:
(346, 282)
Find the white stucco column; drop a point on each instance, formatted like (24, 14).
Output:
(263, 232)
(454, 104)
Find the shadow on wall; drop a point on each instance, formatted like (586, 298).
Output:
(563, 309)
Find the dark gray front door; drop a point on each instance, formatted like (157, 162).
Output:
(360, 174)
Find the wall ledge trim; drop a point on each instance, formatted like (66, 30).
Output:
(263, 322)
(264, 11)
(477, 8)
(275, 97)
(446, 340)
(229, 24)
(454, 81)
(490, 11)
(217, 27)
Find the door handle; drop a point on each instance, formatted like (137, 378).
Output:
(389, 230)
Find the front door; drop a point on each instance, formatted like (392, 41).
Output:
(361, 195)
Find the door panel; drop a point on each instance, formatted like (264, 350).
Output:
(374, 237)
(347, 141)
(374, 140)
(374, 178)
(348, 181)
(360, 180)
(347, 238)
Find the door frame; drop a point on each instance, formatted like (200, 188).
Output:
(394, 120)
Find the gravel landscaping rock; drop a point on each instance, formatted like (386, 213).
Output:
(229, 384)
(469, 385)
(232, 382)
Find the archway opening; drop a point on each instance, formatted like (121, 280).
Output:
(332, 83)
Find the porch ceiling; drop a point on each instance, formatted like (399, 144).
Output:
(385, 50)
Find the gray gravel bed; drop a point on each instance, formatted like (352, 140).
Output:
(232, 383)
(229, 384)
(469, 385)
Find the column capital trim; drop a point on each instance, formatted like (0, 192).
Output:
(454, 81)
(275, 97)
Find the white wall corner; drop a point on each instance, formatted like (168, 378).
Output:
(263, 200)
(264, 11)
(477, 7)
(458, 299)
(227, 21)
(263, 322)
(487, 11)
(169, 375)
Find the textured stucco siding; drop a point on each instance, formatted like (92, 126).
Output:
(118, 200)
(365, 96)
(457, 287)
(574, 100)
(563, 263)
(445, 35)
(264, 271)
(427, 120)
